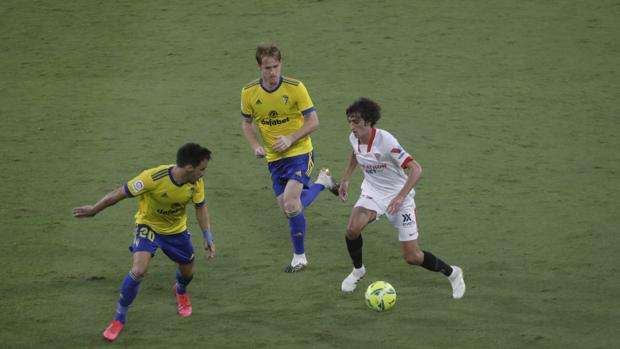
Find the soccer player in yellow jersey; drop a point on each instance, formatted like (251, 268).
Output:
(161, 222)
(284, 114)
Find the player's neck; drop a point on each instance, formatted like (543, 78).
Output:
(365, 138)
(178, 175)
(269, 86)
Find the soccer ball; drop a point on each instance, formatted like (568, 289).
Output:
(380, 296)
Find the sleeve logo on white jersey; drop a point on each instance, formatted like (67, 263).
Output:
(137, 186)
(399, 152)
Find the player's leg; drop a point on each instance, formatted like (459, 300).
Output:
(131, 284)
(309, 194)
(406, 224)
(291, 206)
(185, 274)
(415, 256)
(323, 181)
(359, 219)
(287, 178)
(301, 169)
(179, 248)
(143, 249)
(129, 291)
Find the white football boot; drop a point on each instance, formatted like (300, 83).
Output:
(298, 263)
(350, 282)
(325, 179)
(457, 282)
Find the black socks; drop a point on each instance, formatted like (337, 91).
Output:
(433, 263)
(355, 251)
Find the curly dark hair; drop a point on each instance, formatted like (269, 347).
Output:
(365, 108)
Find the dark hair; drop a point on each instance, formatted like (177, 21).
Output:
(366, 109)
(267, 50)
(192, 154)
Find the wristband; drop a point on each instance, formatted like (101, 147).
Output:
(208, 236)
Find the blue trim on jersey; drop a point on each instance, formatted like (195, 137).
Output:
(172, 178)
(274, 89)
(202, 203)
(129, 194)
(307, 111)
(246, 115)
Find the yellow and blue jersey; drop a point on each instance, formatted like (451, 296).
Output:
(278, 112)
(162, 202)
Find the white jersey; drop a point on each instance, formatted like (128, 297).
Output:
(383, 161)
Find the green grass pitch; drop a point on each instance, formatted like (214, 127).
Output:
(511, 107)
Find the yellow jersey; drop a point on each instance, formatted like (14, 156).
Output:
(162, 202)
(278, 112)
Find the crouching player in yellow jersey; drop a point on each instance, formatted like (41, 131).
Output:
(285, 116)
(161, 222)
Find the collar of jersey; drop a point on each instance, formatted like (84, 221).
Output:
(274, 89)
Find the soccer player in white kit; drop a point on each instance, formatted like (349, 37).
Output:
(387, 190)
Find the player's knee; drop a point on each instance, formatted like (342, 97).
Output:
(292, 210)
(291, 207)
(138, 272)
(187, 270)
(353, 232)
(414, 258)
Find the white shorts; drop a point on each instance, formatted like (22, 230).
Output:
(405, 221)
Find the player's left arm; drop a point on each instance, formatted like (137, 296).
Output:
(202, 215)
(415, 173)
(311, 123)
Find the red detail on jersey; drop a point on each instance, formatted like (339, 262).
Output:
(372, 138)
(395, 151)
(373, 132)
(406, 162)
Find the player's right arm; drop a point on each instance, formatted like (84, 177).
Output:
(250, 134)
(344, 183)
(110, 199)
(246, 125)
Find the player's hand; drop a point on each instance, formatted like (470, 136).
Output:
(259, 152)
(209, 247)
(283, 143)
(84, 211)
(342, 190)
(395, 204)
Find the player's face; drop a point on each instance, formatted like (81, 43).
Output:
(270, 70)
(359, 127)
(195, 173)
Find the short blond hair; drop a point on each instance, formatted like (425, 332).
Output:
(267, 50)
